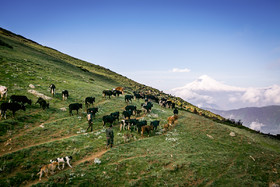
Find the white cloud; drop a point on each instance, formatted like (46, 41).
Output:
(206, 91)
(256, 126)
(186, 70)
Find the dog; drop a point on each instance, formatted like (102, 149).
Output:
(66, 159)
(47, 168)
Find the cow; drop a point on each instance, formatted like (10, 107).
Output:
(92, 110)
(116, 115)
(108, 119)
(171, 120)
(89, 101)
(128, 98)
(74, 106)
(124, 124)
(166, 127)
(42, 103)
(108, 93)
(65, 95)
(52, 89)
(3, 92)
(121, 89)
(128, 124)
(10, 106)
(138, 96)
(20, 99)
(140, 124)
(155, 124)
(127, 114)
(117, 92)
(152, 97)
(131, 108)
(146, 128)
(147, 106)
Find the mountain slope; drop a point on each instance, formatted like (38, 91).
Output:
(265, 119)
(195, 151)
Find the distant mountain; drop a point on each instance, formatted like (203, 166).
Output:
(207, 92)
(264, 119)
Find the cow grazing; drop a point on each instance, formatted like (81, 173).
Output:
(42, 103)
(52, 89)
(155, 124)
(3, 92)
(147, 106)
(89, 101)
(116, 115)
(121, 89)
(10, 106)
(74, 106)
(20, 99)
(108, 93)
(108, 119)
(117, 92)
(127, 114)
(140, 124)
(131, 108)
(138, 96)
(124, 124)
(92, 110)
(128, 98)
(146, 128)
(171, 120)
(65, 95)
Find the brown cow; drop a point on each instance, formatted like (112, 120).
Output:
(146, 128)
(121, 89)
(171, 120)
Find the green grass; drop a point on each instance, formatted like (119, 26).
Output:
(197, 151)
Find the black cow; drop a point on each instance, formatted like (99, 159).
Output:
(155, 124)
(10, 106)
(89, 100)
(52, 87)
(108, 119)
(131, 108)
(138, 96)
(147, 106)
(20, 99)
(65, 94)
(116, 115)
(117, 92)
(108, 93)
(128, 98)
(127, 114)
(140, 124)
(93, 111)
(152, 97)
(42, 103)
(74, 106)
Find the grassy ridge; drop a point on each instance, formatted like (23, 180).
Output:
(196, 152)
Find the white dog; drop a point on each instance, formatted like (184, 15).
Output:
(63, 160)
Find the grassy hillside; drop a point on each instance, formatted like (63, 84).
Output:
(197, 151)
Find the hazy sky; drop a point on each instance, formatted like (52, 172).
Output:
(233, 41)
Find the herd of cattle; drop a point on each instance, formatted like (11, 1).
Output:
(18, 102)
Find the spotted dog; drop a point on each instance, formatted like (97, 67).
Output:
(62, 160)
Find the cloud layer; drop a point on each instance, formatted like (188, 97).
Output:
(207, 92)
(186, 70)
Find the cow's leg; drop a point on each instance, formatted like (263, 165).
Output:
(69, 164)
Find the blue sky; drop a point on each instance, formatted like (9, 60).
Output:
(236, 42)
